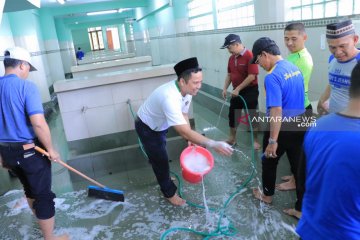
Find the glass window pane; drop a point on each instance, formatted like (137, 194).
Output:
(295, 3)
(94, 41)
(91, 45)
(330, 9)
(198, 7)
(202, 23)
(306, 12)
(101, 40)
(296, 14)
(318, 11)
(314, 9)
(235, 13)
(357, 7)
(345, 7)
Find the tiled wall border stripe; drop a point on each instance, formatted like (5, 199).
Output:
(39, 53)
(259, 27)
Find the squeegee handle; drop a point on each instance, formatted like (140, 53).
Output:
(42, 151)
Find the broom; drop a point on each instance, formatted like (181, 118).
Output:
(99, 191)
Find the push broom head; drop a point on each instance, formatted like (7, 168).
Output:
(106, 193)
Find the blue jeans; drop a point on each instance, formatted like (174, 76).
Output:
(155, 147)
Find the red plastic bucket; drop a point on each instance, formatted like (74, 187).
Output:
(195, 162)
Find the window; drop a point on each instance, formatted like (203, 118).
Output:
(314, 9)
(215, 14)
(96, 38)
(235, 13)
(200, 15)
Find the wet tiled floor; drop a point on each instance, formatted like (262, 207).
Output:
(145, 214)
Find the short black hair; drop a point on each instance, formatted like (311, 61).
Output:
(295, 26)
(10, 62)
(354, 90)
(186, 75)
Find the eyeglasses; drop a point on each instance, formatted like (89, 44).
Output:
(258, 58)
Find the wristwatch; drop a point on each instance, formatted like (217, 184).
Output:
(272, 141)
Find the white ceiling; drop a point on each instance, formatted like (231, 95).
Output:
(54, 3)
(20, 5)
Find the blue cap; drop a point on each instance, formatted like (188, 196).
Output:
(231, 38)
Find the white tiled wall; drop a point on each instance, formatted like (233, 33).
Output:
(101, 110)
(67, 55)
(103, 67)
(205, 46)
(53, 59)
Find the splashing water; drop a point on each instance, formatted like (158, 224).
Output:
(204, 197)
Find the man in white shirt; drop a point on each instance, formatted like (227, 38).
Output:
(168, 106)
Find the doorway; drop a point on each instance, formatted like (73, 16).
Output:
(112, 35)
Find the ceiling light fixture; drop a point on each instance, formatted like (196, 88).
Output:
(61, 1)
(101, 12)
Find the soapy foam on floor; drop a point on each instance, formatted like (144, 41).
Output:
(146, 214)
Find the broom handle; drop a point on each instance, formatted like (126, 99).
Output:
(42, 151)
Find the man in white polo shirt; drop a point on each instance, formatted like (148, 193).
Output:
(168, 106)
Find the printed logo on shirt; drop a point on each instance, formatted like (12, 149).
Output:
(186, 103)
(291, 74)
(339, 81)
(337, 71)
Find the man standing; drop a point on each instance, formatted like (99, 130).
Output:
(23, 126)
(79, 54)
(331, 206)
(168, 106)
(342, 42)
(294, 38)
(284, 85)
(243, 76)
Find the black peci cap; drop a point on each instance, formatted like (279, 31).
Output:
(186, 64)
(263, 44)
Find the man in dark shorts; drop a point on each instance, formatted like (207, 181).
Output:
(23, 126)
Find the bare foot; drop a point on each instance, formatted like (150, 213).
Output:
(176, 200)
(257, 146)
(20, 203)
(292, 212)
(259, 195)
(62, 237)
(286, 186)
(287, 178)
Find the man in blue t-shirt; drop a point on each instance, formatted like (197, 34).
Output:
(284, 86)
(79, 54)
(23, 125)
(331, 206)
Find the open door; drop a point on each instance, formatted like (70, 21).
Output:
(110, 39)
